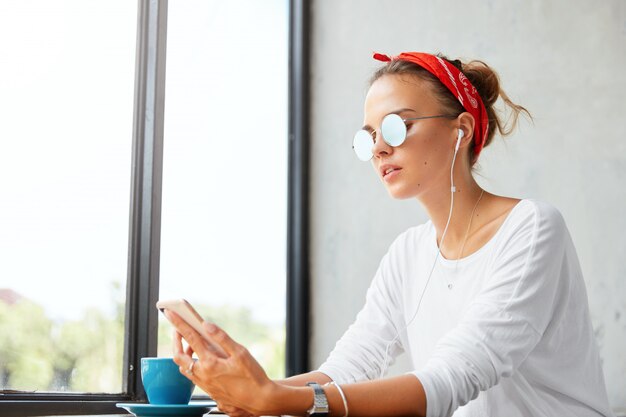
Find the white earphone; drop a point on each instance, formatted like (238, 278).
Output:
(458, 140)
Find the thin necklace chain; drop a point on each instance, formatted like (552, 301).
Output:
(468, 230)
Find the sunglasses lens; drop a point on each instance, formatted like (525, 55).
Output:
(393, 130)
(363, 144)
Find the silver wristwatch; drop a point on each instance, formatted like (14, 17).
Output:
(320, 402)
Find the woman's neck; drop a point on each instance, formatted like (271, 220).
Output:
(469, 201)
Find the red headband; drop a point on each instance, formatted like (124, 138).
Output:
(448, 74)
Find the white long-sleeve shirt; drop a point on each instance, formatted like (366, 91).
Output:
(505, 331)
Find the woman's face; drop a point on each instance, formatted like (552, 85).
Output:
(423, 161)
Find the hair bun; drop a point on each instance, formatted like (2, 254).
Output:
(484, 79)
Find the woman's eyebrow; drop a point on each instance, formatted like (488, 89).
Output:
(368, 127)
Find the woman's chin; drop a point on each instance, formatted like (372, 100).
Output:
(400, 193)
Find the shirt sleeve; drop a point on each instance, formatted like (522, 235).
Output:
(506, 320)
(371, 343)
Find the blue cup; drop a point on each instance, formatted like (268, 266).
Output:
(163, 382)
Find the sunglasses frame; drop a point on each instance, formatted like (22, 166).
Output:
(403, 121)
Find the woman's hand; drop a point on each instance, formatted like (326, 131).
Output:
(236, 382)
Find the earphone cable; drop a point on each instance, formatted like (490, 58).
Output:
(419, 303)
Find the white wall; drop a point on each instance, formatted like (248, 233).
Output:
(564, 60)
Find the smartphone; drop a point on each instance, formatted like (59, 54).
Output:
(186, 311)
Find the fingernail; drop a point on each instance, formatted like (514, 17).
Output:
(211, 328)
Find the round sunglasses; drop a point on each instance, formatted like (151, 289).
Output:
(393, 131)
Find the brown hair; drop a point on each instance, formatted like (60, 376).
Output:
(481, 76)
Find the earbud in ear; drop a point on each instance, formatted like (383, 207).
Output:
(458, 139)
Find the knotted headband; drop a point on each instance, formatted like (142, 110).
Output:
(459, 86)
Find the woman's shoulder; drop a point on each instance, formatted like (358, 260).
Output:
(531, 218)
(532, 210)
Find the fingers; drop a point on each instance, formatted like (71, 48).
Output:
(180, 357)
(190, 366)
(194, 339)
(177, 343)
(183, 357)
(187, 366)
(223, 339)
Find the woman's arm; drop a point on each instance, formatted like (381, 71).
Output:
(241, 387)
(302, 379)
(397, 396)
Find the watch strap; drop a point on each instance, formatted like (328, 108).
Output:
(320, 402)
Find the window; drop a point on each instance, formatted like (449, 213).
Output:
(75, 144)
(224, 209)
(66, 96)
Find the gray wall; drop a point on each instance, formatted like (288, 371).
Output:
(564, 60)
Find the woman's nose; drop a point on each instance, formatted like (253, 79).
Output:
(380, 146)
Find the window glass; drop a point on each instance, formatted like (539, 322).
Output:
(224, 210)
(66, 107)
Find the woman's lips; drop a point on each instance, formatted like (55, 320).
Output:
(385, 168)
(393, 174)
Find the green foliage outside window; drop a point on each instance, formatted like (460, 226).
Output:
(38, 354)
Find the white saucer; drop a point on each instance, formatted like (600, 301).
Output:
(195, 409)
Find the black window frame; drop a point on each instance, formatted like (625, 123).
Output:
(141, 322)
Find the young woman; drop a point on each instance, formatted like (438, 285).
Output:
(487, 297)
